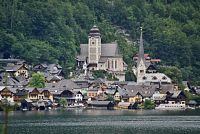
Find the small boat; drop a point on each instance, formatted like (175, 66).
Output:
(76, 105)
(24, 109)
(171, 107)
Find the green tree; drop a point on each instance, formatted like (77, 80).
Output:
(63, 102)
(148, 104)
(110, 98)
(37, 80)
(172, 72)
(130, 76)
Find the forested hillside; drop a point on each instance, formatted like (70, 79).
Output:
(51, 30)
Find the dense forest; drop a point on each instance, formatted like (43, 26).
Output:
(51, 30)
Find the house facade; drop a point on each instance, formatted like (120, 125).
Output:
(6, 93)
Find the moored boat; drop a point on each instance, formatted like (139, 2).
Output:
(171, 107)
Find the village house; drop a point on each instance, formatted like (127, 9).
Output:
(6, 93)
(20, 94)
(17, 70)
(98, 56)
(159, 96)
(134, 97)
(92, 92)
(176, 97)
(71, 97)
(36, 94)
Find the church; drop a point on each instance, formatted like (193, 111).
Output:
(146, 73)
(98, 56)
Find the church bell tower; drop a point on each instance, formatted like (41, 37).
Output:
(94, 45)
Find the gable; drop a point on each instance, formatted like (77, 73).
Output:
(66, 93)
(35, 91)
(6, 92)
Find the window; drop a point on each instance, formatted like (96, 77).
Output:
(141, 71)
(154, 78)
(112, 64)
(144, 78)
(115, 63)
(108, 64)
(164, 78)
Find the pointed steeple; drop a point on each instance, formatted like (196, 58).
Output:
(141, 49)
(141, 68)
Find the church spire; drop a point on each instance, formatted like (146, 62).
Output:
(141, 68)
(141, 49)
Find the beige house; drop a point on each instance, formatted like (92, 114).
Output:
(100, 56)
(6, 93)
(40, 94)
(18, 70)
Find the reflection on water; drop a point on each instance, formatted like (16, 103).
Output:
(105, 122)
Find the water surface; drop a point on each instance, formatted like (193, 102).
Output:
(104, 122)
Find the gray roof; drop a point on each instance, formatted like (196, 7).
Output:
(54, 78)
(107, 50)
(62, 85)
(175, 94)
(147, 90)
(17, 81)
(154, 77)
(13, 68)
(54, 68)
(110, 91)
(99, 102)
(103, 59)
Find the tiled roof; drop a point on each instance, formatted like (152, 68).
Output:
(107, 50)
(154, 77)
(147, 90)
(99, 102)
(62, 85)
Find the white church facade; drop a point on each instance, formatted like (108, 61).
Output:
(145, 72)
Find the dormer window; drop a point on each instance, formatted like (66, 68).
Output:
(154, 78)
(144, 78)
(164, 78)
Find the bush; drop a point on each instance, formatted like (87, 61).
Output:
(148, 104)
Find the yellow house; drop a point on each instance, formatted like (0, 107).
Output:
(92, 92)
(135, 97)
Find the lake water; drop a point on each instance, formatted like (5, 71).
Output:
(104, 122)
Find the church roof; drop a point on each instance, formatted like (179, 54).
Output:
(107, 50)
(154, 78)
(103, 59)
